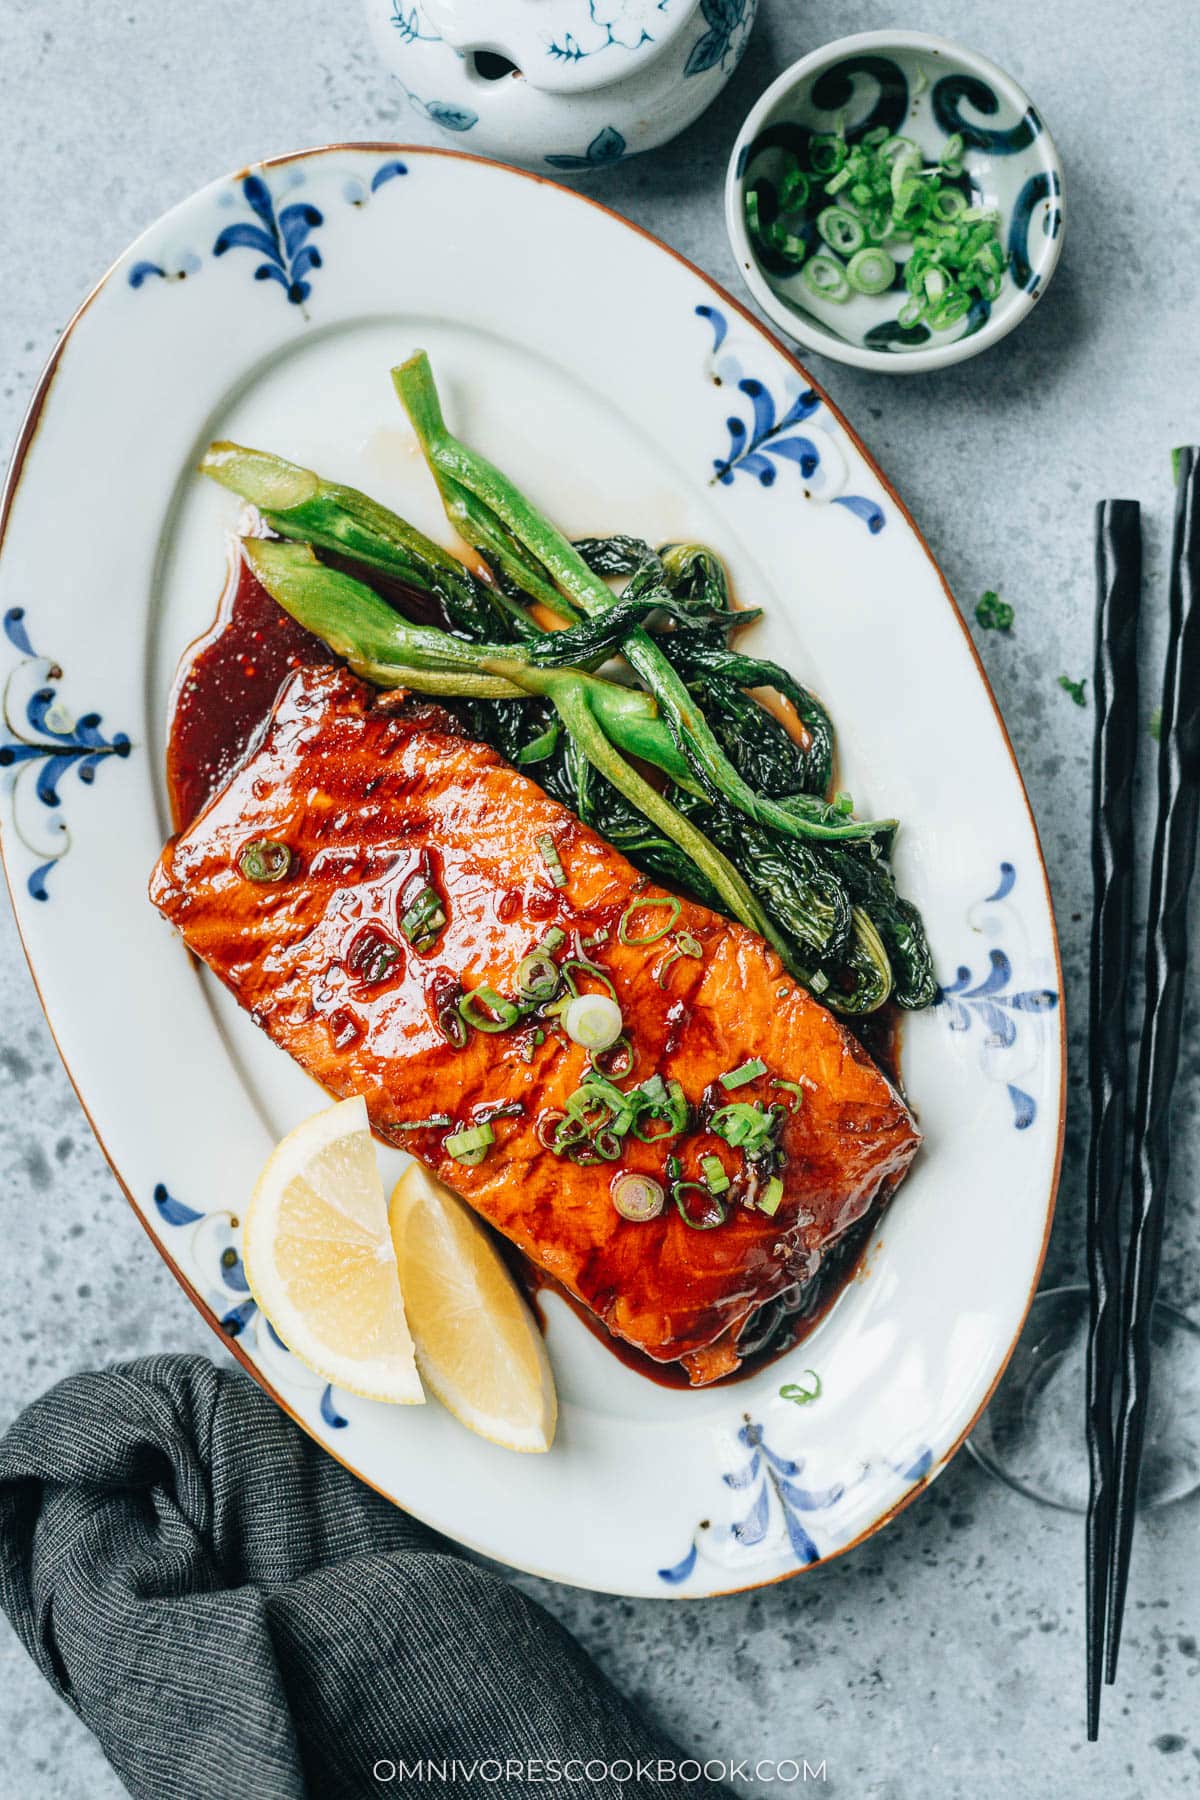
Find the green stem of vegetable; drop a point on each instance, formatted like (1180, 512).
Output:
(387, 649)
(351, 619)
(298, 503)
(451, 459)
(477, 525)
(571, 702)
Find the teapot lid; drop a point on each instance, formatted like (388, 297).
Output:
(563, 46)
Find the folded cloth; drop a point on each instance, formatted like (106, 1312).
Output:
(233, 1613)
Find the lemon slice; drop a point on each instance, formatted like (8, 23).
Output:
(319, 1260)
(478, 1347)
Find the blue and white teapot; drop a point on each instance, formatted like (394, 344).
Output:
(561, 84)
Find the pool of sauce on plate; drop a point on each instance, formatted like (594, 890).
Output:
(777, 1328)
(225, 688)
(227, 683)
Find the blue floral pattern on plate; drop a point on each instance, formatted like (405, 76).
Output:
(216, 1252)
(279, 234)
(282, 241)
(770, 1481)
(769, 434)
(42, 744)
(990, 1001)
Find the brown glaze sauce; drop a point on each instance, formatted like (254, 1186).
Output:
(778, 1326)
(226, 686)
(224, 690)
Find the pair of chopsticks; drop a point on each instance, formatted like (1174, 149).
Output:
(1122, 1305)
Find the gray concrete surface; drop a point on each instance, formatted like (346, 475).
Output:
(943, 1658)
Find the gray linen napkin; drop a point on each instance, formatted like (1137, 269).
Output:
(232, 1613)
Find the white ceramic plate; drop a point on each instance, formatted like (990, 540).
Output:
(626, 393)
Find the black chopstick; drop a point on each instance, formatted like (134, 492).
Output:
(1171, 869)
(1115, 687)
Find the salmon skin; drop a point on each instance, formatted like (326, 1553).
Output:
(376, 803)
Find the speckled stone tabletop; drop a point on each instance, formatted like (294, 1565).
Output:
(945, 1656)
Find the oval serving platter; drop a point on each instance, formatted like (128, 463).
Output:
(625, 392)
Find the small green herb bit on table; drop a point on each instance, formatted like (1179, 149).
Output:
(992, 613)
(1074, 688)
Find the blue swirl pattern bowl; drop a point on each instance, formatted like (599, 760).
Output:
(930, 90)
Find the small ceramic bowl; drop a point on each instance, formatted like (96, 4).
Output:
(929, 90)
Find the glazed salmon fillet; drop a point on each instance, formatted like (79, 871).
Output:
(376, 805)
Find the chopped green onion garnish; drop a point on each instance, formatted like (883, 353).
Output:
(597, 1105)
(749, 1071)
(775, 236)
(827, 153)
(637, 1197)
(948, 203)
(871, 271)
(674, 908)
(992, 613)
(827, 279)
(500, 1014)
(470, 1145)
(375, 960)
(713, 1171)
(554, 939)
(576, 965)
(660, 973)
(663, 1101)
(533, 1041)
(451, 1023)
(688, 945)
(868, 198)
(791, 1087)
(538, 976)
(616, 1062)
(594, 1021)
(424, 919)
(793, 189)
(772, 1194)
(497, 1109)
(745, 1127)
(840, 229)
(548, 852)
(802, 1395)
(713, 1212)
(266, 859)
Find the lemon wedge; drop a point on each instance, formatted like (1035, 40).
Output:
(318, 1257)
(478, 1346)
